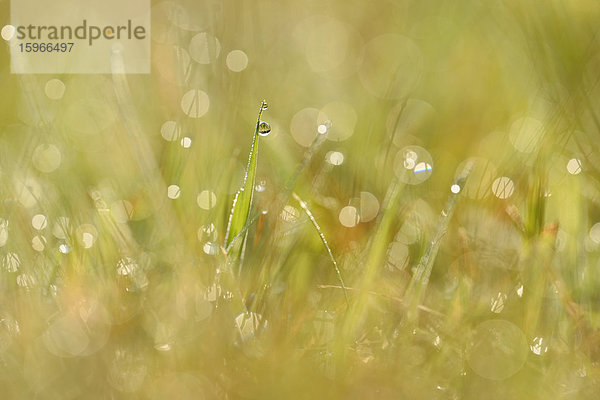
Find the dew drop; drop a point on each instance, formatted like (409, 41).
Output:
(324, 127)
(186, 142)
(264, 105)
(264, 128)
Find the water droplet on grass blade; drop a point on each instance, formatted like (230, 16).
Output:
(264, 105)
(186, 142)
(324, 127)
(263, 127)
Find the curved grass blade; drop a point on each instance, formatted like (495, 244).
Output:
(238, 218)
(322, 236)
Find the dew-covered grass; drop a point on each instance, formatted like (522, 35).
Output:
(415, 215)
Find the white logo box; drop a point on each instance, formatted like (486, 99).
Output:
(80, 36)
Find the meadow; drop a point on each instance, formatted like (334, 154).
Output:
(306, 200)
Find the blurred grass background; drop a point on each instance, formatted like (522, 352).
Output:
(116, 191)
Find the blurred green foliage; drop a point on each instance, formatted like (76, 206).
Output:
(116, 192)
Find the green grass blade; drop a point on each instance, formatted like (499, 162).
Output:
(376, 251)
(420, 279)
(322, 236)
(238, 218)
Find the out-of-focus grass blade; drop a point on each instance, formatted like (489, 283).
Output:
(238, 218)
(322, 236)
(376, 251)
(420, 279)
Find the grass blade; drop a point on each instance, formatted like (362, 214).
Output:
(238, 218)
(322, 236)
(420, 279)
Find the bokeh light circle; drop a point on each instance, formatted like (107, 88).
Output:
(46, 158)
(204, 48)
(339, 120)
(480, 173)
(304, 125)
(54, 89)
(195, 103)
(526, 134)
(503, 187)
(170, 131)
(413, 165)
(497, 349)
(236, 60)
(574, 166)
(349, 216)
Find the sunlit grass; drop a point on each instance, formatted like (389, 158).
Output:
(421, 219)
